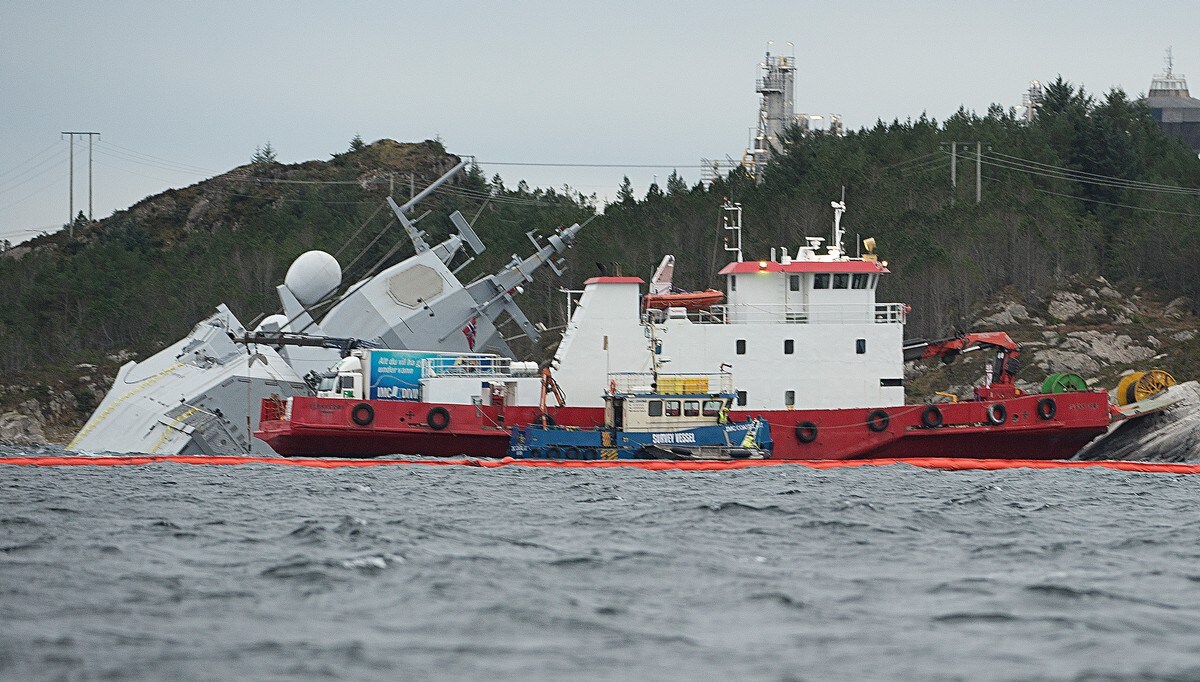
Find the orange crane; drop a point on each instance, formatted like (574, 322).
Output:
(999, 376)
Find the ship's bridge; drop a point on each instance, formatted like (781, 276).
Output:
(803, 291)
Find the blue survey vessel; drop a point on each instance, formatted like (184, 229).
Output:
(667, 417)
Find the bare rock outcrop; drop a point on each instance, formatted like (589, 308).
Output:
(1172, 435)
(19, 429)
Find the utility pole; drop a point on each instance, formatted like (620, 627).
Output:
(71, 190)
(953, 171)
(978, 172)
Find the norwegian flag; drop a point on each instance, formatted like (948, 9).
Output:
(469, 332)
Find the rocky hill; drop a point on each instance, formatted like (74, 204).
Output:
(1087, 326)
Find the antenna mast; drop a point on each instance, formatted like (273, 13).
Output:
(732, 220)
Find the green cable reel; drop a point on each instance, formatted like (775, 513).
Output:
(1063, 382)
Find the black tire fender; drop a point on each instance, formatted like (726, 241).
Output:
(931, 417)
(362, 414)
(438, 418)
(1047, 408)
(806, 432)
(878, 421)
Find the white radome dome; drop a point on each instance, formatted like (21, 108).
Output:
(272, 323)
(313, 276)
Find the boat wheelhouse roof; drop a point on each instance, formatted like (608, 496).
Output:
(751, 266)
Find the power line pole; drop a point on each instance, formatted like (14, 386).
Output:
(978, 172)
(953, 171)
(71, 191)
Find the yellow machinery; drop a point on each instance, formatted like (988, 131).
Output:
(1141, 385)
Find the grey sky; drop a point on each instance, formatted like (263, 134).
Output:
(200, 85)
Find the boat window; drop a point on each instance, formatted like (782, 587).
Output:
(327, 383)
(346, 382)
(860, 346)
(860, 281)
(733, 282)
(691, 408)
(821, 280)
(789, 398)
(794, 282)
(841, 280)
(672, 408)
(712, 408)
(741, 346)
(874, 279)
(789, 346)
(654, 408)
(741, 398)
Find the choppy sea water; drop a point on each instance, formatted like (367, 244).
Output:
(172, 571)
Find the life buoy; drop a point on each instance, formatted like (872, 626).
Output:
(438, 418)
(362, 414)
(997, 414)
(806, 432)
(1046, 408)
(931, 417)
(878, 421)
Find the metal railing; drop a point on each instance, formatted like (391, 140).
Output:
(853, 313)
(478, 364)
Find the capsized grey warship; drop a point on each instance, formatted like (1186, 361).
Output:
(201, 394)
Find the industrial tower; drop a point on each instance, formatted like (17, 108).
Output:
(776, 113)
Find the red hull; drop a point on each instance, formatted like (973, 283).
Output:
(323, 427)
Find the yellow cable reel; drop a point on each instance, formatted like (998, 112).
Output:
(1141, 385)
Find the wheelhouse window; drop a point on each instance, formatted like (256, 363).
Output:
(860, 281)
(741, 398)
(789, 346)
(654, 408)
(712, 408)
(794, 282)
(733, 282)
(860, 346)
(346, 382)
(672, 408)
(691, 408)
(741, 346)
(789, 398)
(821, 280)
(874, 280)
(841, 280)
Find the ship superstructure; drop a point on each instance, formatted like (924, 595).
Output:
(800, 332)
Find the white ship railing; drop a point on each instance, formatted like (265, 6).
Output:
(852, 313)
(477, 364)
